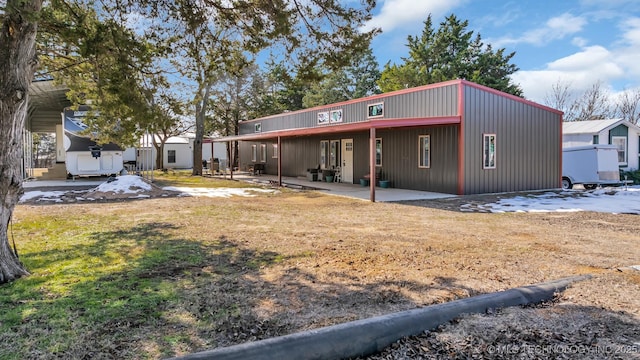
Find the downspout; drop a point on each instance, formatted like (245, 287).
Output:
(560, 152)
(461, 137)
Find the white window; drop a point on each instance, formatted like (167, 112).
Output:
(375, 110)
(334, 154)
(424, 157)
(254, 153)
(621, 143)
(324, 154)
(263, 152)
(378, 152)
(171, 156)
(489, 151)
(275, 151)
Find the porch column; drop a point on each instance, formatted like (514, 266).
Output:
(231, 159)
(211, 160)
(372, 164)
(279, 161)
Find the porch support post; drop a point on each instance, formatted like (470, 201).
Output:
(231, 159)
(372, 164)
(211, 160)
(279, 161)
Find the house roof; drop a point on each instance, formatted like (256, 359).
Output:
(594, 126)
(146, 139)
(376, 123)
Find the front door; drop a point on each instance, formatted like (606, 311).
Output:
(347, 161)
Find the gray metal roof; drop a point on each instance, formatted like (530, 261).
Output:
(590, 126)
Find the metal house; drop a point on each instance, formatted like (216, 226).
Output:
(454, 137)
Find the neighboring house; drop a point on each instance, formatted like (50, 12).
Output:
(621, 133)
(178, 152)
(453, 137)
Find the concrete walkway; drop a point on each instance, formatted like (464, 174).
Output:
(83, 182)
(337, 189)
(347, 190)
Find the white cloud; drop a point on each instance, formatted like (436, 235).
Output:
(581, 70)
(617, 63)
(589, 58)
(631, 28)
(408, 13)
(555, 28)
(579, 41)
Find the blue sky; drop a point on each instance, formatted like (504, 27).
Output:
(578, 42)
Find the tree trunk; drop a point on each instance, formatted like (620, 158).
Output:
(201, 112)
(17, 64)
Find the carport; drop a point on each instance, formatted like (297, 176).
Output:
(46, 103)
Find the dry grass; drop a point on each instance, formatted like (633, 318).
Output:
(253, 268)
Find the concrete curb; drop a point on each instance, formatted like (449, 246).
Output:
(369, 336)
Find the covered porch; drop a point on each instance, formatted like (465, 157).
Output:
(342, 189)
(359, 152)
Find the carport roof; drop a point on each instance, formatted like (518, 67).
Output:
(46, 102)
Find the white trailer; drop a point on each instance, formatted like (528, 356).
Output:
(83, 156)
(590, 165)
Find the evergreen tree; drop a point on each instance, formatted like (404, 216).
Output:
(357, 80)
(451, 52)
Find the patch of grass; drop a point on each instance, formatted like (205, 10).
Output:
(164, 277)
(184, 178)
(100, 276)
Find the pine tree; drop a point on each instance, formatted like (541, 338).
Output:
(451, 52)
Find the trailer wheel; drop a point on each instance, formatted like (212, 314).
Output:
(590, 186)
(566, 183)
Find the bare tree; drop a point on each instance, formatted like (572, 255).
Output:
(593, 104)
(560, 96)
(628, 106)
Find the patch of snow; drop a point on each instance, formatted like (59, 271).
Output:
(609, 200)
(125, 184)
(43, 195)
(217, 192)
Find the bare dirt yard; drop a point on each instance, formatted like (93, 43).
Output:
(276, 264)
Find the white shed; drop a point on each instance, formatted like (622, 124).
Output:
(178, 152)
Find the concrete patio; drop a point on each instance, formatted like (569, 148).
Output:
(342, 189)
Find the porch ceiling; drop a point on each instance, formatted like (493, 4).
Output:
(46, 103)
